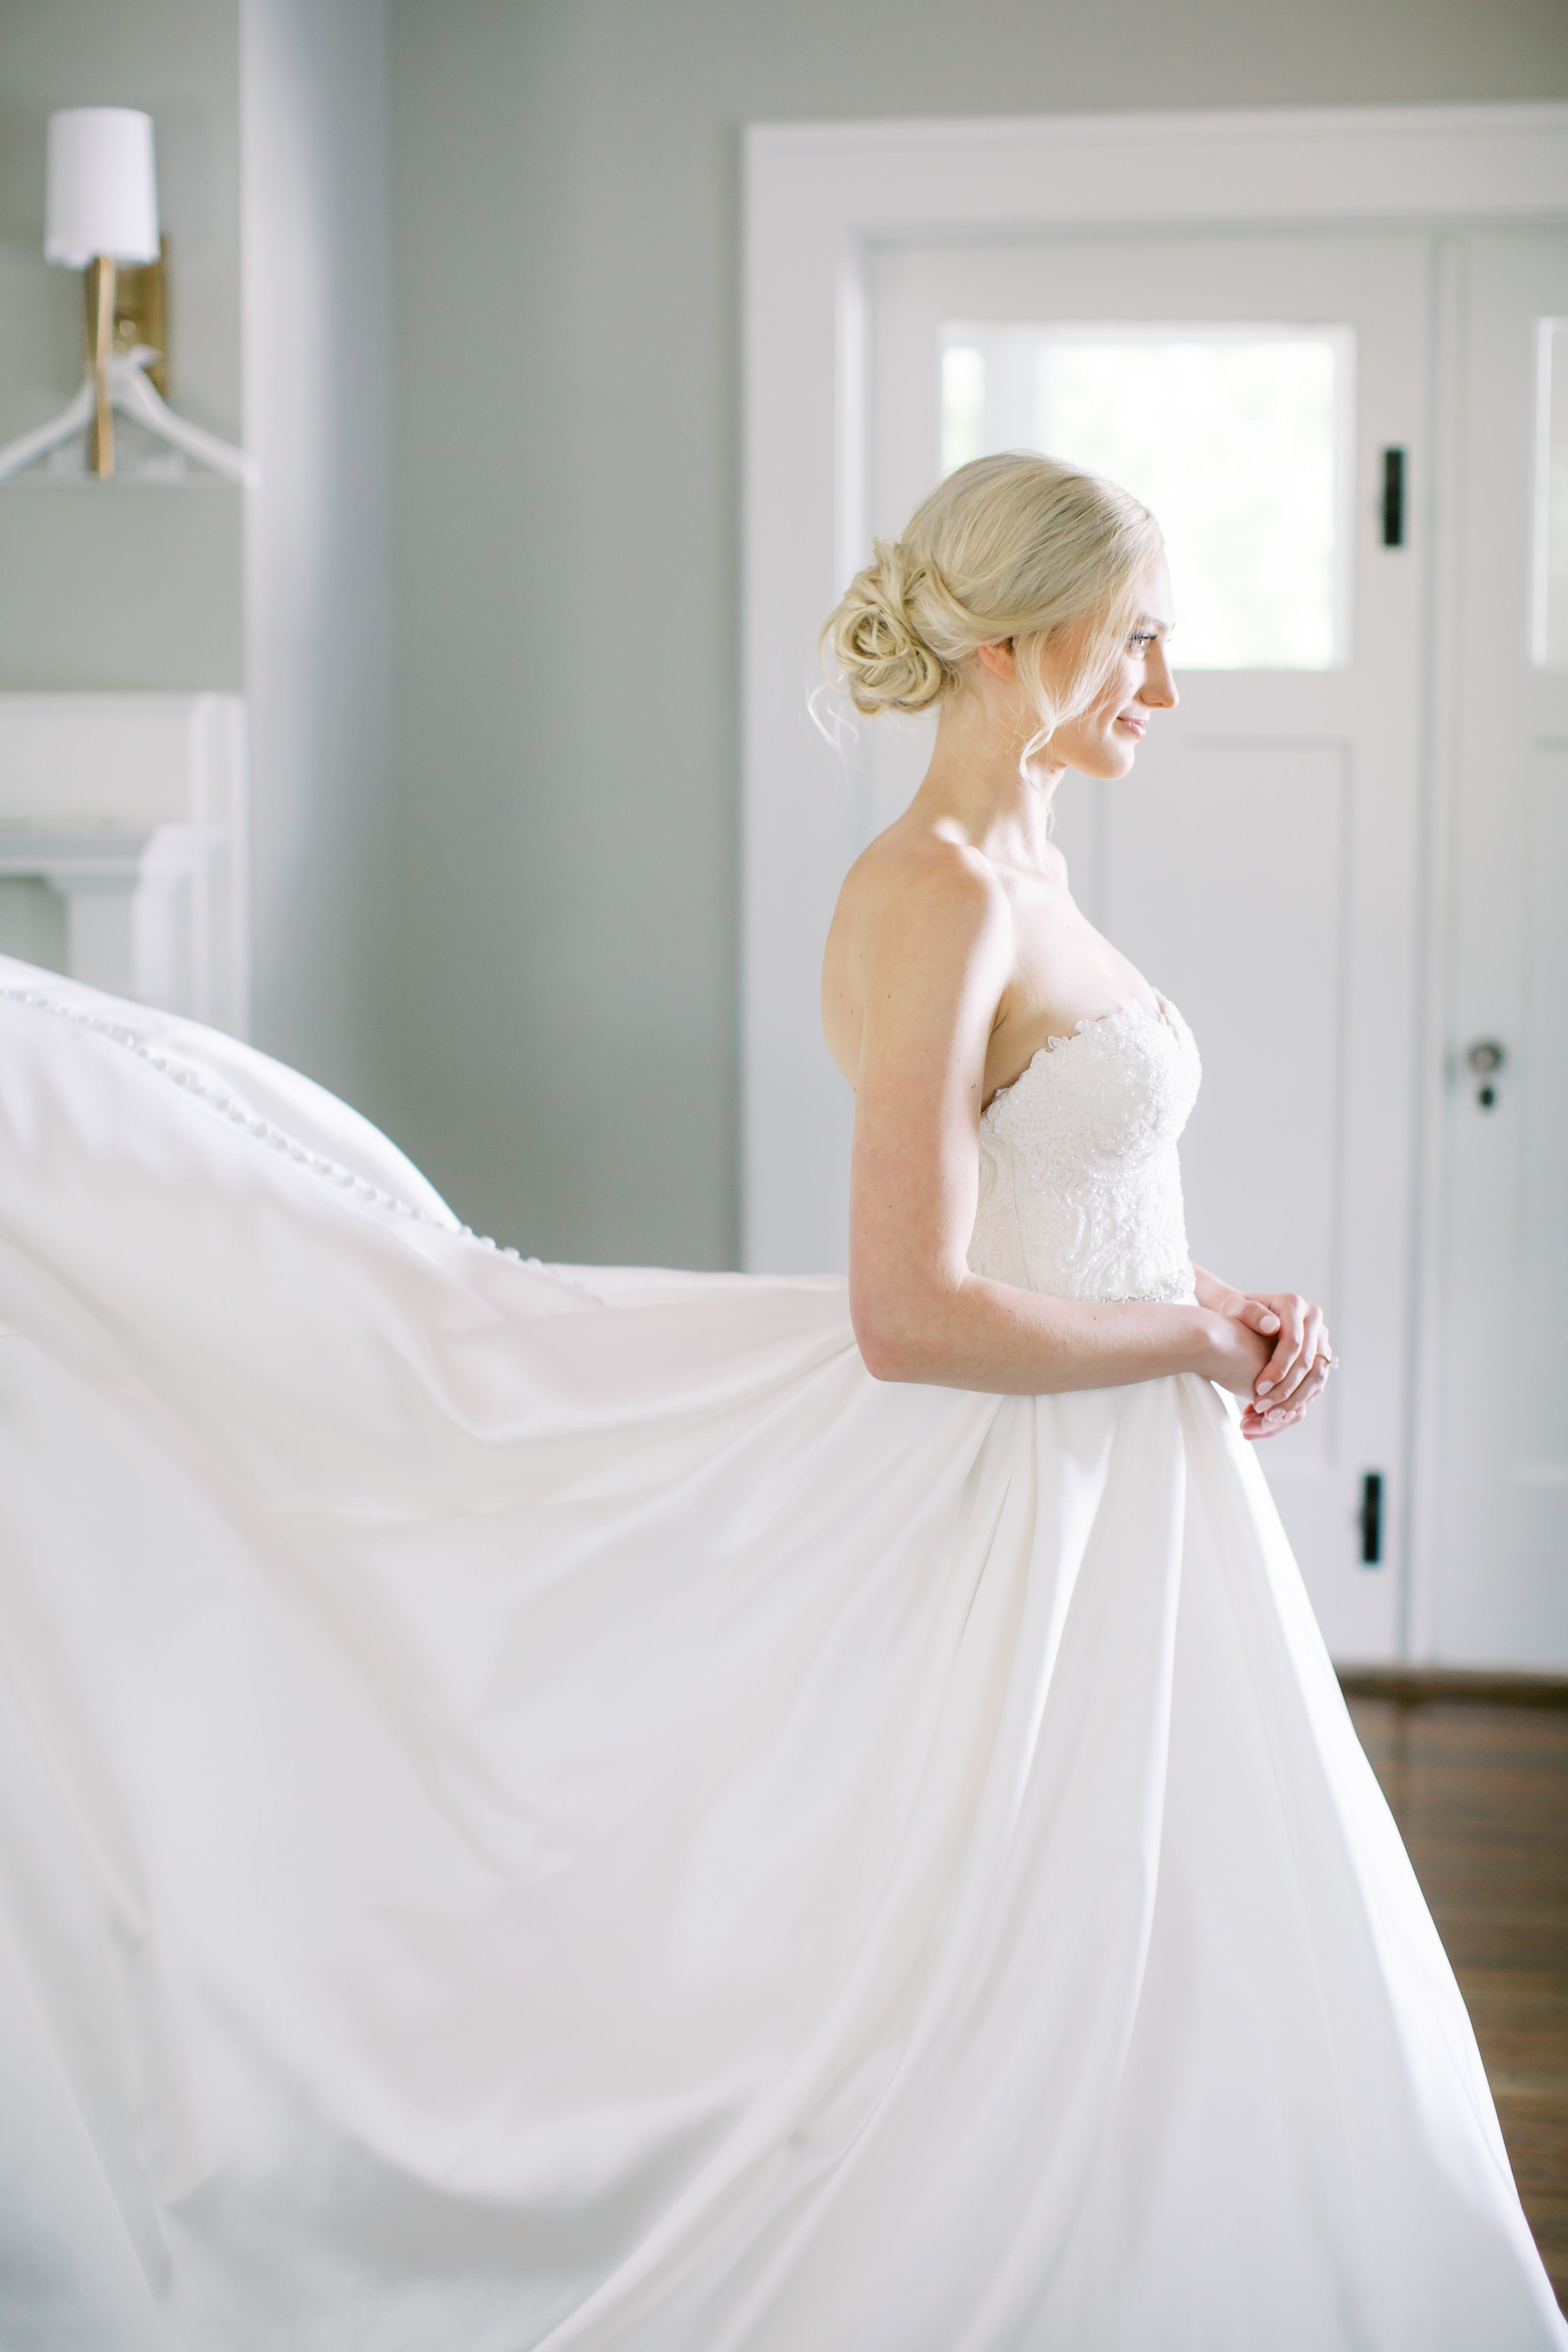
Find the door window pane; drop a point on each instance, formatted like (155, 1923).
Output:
(962, 405)
(1551, 631)
(1238, 438)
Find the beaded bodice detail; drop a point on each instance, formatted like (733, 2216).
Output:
(1080, 1189)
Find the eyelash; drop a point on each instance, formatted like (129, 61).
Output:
(1145, 637)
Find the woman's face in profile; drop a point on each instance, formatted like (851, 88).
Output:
(1104, 740)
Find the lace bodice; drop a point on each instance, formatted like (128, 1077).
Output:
(1080, 1189)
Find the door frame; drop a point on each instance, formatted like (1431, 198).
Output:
(819, 197)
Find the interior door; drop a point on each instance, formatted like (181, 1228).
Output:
(1262, 863)
(1498, 1539)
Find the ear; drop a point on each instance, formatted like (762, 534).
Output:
(999, 659)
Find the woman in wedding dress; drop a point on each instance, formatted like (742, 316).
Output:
(576, 1810)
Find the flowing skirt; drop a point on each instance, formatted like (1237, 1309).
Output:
(546, 1810)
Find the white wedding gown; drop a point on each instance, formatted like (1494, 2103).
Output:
(547, 1809)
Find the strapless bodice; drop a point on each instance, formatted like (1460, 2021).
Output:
(1080, 1187)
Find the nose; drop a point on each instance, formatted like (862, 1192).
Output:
(1158, 688)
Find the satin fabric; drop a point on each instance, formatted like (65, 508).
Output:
(545, 1808)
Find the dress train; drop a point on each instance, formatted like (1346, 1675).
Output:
(545, 1808)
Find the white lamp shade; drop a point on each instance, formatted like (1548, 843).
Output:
(102, 198)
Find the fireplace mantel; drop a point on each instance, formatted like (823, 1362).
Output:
(132, 807)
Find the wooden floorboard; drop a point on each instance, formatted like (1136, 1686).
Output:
(1480, 1792)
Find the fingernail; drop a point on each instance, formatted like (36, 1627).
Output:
(1264, 1387)
(1269, 1323)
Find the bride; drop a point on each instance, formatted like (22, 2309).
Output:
(559, 1809)
(1031, 604)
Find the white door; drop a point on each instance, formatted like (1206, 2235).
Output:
(1263, 865)
(1497, 1540)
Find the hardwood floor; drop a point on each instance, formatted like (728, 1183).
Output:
(1479, 1789)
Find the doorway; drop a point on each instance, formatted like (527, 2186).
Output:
(1341, 389)
(1262, 862)
(1492, 1584)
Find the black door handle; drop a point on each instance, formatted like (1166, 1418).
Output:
(1394, 498)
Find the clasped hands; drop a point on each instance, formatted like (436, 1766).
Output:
(1296, 1373)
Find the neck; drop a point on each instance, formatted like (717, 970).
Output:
(974, 779)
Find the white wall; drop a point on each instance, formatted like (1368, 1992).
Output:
(566, 178)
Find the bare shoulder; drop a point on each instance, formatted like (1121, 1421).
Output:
(912, 880)
(921, 919)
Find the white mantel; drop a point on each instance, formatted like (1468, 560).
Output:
(133, 806)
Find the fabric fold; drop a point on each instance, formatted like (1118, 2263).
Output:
(545, 1808)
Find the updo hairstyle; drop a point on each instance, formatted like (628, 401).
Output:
(1013, 546)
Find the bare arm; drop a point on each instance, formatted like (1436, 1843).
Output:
(931, 953)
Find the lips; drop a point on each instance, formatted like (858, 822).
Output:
(1138, 727)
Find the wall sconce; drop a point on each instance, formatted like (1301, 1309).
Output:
(103, 218)
(102, 211)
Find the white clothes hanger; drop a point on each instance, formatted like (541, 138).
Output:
(102, 215)
(131, 393)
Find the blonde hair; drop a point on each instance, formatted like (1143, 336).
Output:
(1013, 546)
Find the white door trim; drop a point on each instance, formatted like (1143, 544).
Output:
(816, 196)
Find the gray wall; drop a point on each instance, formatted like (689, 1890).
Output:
(566, 176)
(113, 585)
(527, 964)
(271, 127)
(318, 635)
